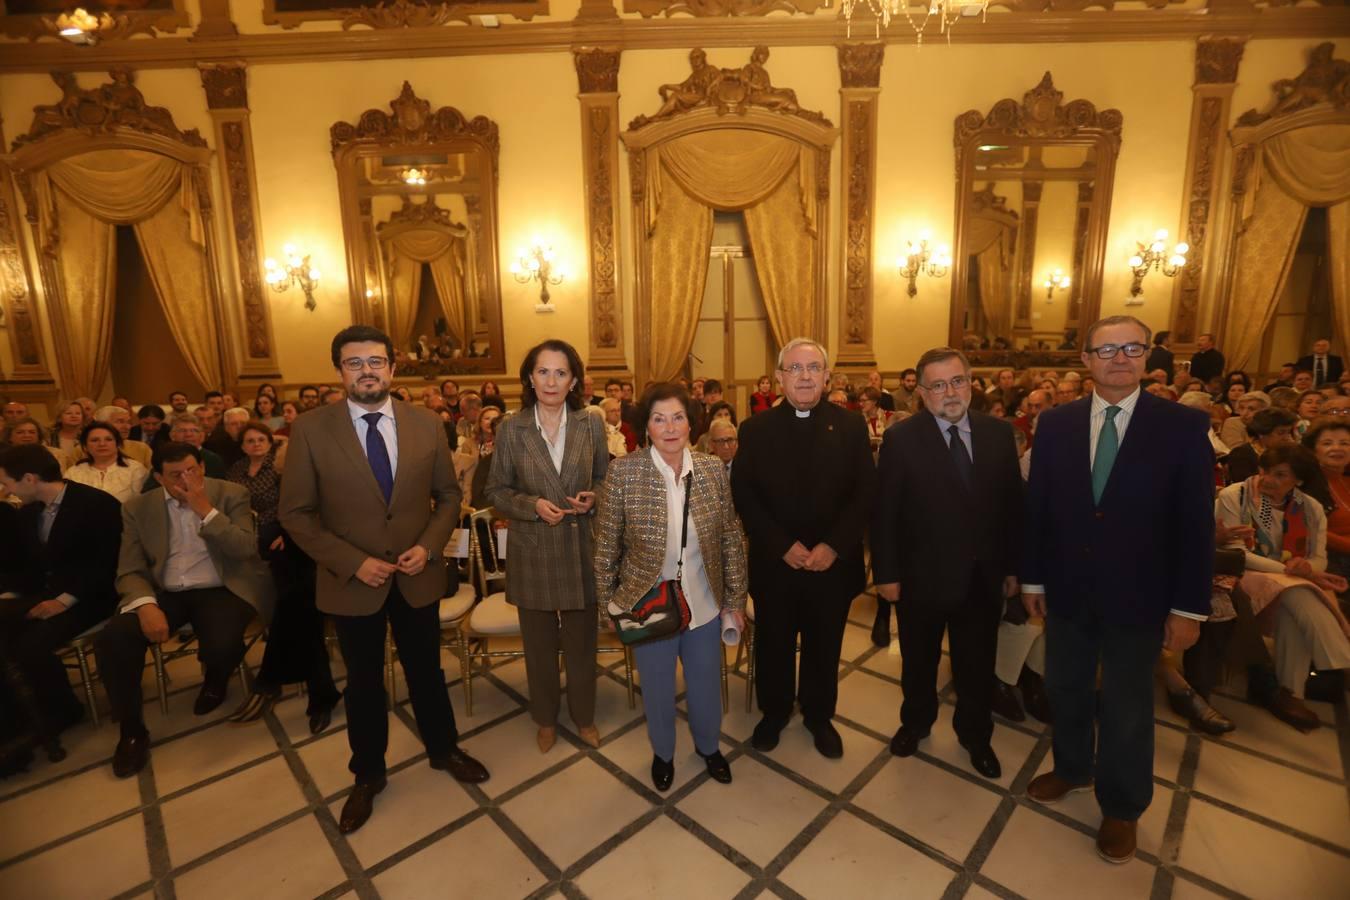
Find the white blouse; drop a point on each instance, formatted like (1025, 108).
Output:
(702, 602)
(123, 482)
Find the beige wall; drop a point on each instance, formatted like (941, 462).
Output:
(533, 100)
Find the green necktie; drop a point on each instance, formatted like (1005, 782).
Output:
(1108, 443)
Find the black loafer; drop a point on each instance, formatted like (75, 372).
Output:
(461, 766)
(881, 628)
(905, 742)
(828, 742)
(663, 773)
(1004, 702)
(718, 767)
(209, 698)
(360, 804)
(984, 761)
(1199, 713)
(320, 719)
(765, 736)
(131, 755)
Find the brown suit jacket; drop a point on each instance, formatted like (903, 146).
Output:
(548, 566)
(229, 537)
(332, 507)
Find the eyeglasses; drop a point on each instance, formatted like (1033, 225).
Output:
(731, 440)
(940, 387)
(356, 363)
(797, 369)
(1109, 351)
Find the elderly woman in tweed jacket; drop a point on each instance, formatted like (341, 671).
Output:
(548, 465)
(641, 512)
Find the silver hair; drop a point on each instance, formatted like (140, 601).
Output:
(105, 413)
(803, 342)
(235, 411)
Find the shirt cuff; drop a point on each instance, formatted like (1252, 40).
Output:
(1189, 615)
(138, 603)
(9, 595)
(1033, 589)
(67, 599)
(209, 516)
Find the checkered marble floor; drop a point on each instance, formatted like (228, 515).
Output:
(251, 811)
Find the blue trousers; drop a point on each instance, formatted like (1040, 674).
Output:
(700, 651)
(1121, 730)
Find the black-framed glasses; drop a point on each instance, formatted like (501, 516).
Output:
(940, 387)
(1109, 351)
(357, 363)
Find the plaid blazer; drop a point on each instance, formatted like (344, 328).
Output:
(631, 531)
(548, 567)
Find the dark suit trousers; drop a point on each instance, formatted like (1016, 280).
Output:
(218, 618)
(1121, 725)
(34, 679)
(417, 635)
(972, 628)
(813, 609)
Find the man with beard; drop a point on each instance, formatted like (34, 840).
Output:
(355, 497)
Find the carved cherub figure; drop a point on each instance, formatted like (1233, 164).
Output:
(1324, 80)
(761, 89)
(694, 90)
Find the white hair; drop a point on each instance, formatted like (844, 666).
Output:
(106, 413)
(236, 412)
(803, 342)
(1196, 399)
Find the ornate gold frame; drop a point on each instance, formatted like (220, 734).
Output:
(386, 14)
(119, 23)
(1040, 118)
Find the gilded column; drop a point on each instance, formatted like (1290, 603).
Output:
(1216, 68)
(598, 86)
(860, 87)
(17, 293)
(226, 87)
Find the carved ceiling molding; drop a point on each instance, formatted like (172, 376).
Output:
(708, 9)
(400, 14)
(226, 85)
(117, 105)
(421, 215)
(597, 69)
(728, 91)
(413, 122)
(1324, 80)
(1041, 113)
(1217, 60)
(860, 64)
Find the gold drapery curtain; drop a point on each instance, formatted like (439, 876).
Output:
(991, 242)
(678, 255)
(785, 258)
(1294, 170)
(443, 252)
(80, 199)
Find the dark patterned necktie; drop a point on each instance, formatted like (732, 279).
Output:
(964, 467)
(378, 454)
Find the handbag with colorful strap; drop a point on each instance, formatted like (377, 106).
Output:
(663, 611)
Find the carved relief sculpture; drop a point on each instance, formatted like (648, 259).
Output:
(413, 122)
(729, 91)
(1325, 80)
(386, 14)
(597, 70)
(860, 77)
(598, 84)
(118, 104)
(860, 64)
(721, 8)
(1042, 113)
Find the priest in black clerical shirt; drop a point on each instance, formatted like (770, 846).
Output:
(803, 485)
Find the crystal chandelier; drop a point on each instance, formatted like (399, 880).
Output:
(945, 13)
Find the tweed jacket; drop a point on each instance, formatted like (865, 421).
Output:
(631, 531)
(548, 567)
(229, 537)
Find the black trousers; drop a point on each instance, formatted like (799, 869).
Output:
(218, 618)
(417, 635)
(296, 650)
(33, 682)
(1203, 662)
(972, 629)
(817, 616)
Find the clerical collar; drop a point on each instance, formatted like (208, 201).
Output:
(802, 413)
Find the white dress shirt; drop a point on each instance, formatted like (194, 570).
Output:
(555, 447)
(189, 565)
(1122, 421)
(697, 591)
(123, 482)
(387, 429)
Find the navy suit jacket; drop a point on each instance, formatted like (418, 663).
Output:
(1148, 547)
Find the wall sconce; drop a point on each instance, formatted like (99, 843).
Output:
(80, 27)
(295, 270)
(413, 176)
(1056, 281)
(538, 264)
(919, 260)
(1154, 257)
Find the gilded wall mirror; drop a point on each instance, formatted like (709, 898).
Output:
(1033, 198)
(418, 191)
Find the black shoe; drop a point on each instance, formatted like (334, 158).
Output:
(131, 755)
(881, 628)
(765, 736)
(254, 707)
(1004, 702)
(905, 742)
(663, 773)
(1034, 696)
(360, 804)
(211, 696)
(828, 742)
(461, 766)
(717, 764)
(983, 760)
(320, 719)
(1196, 710)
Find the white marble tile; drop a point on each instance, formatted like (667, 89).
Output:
(326, 759)
(870, 701)
(510, 751)
(1260, 730)
(759, 813)
(1076, 871)
(574, 811)
(101, 864)
(417, 801)
(944, 811)
(295, 861)
(633, 753)
(202, 820)
(44, 815)
(476, 861)
(187, 760)
(662, 860)
(850, 858)
(797, 751)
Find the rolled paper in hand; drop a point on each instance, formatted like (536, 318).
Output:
(731, 632)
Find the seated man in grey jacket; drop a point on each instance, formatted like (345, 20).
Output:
(189, 555)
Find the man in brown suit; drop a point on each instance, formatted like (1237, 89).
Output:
(360, 478)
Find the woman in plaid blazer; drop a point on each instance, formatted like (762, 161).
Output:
(638, 545)
(549, 463)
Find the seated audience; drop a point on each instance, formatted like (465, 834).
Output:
(764, 397)
(719, 410)
(884, 399)
(1202, 401)
(724, 440)
(1286, 575)
(14, 410)
(150, 425)
(29, 431)
(491, 395)
(65, 433)
(470, 403)
(1233, 397)
(225, 439)
(906, 396)
(309, 397)
(619, 436)
(189, 556)
(103, 464)
(1035, 403)
(1066, 392)
(1309, 406)
(877, 418)
(475, 452)
(1234, 431)
(120, 419)
(265, 411)
(289, 411)
(187, 429)
(1329, 441)
(1303, 381)
(1284, 379)
(1336, 407)
(1268, 428)
(61, 558)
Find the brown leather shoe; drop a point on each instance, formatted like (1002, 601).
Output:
(590, 735)
(547, 737)
(1288, 708)
(360, 804)
(1116, 840)
(461, 766)
(1050, 788)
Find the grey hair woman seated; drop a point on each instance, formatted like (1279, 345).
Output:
(638, 545)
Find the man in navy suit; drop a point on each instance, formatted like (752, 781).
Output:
(1118, 558)
(1326, 367)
